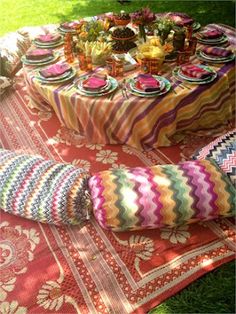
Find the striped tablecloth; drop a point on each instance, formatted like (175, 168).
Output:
(141, 122)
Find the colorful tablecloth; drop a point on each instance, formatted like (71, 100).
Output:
(141, 122)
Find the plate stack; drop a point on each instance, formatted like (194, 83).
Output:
(56, 74)
(194, 74)
(96, 85)
(39, 57)
(211, 37)
(147, 85)
(215, 55)
(48, 41)
(68, 27)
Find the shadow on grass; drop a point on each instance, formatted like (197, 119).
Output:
(212, 293)
(202, 11)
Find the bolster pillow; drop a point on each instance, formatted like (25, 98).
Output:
(161, 196)
(43, 190)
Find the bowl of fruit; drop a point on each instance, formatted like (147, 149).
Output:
(122, 19)
(123, 33)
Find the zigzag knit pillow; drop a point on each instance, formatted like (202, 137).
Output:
(223, 151)
(43, 190)
(160, 196)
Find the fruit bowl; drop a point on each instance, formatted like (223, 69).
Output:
(123, 38)
(121, 22)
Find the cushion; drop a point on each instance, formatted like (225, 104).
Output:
(223, 151)
(43, 190)
(12, 46)
(5, 83)
(161, 196)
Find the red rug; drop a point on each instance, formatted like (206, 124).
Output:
(48, 269)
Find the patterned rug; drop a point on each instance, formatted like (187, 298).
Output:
(48, 269)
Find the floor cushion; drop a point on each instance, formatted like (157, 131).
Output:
(223, 151)
(13, 46)
(160, 196)
(43, 190)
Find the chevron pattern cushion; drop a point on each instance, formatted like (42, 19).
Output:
(223, 151)
(43, 190)
(160, 196)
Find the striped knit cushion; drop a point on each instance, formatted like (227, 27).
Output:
(43, 190)
(223, 151)
(158, 196)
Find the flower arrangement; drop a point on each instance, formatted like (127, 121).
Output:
(163, 27)
(141, 18)
(90, 31)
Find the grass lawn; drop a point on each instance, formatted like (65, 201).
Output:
(15, 13)
(215, 292)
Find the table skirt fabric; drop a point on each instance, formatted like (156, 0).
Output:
(142, 123)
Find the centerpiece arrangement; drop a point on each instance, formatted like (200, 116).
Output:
(123, 36)
(142, 18)
(91, 45)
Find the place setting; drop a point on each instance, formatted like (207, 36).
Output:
(68, 27)
(96, 85)
(194, 74)
(48, 40)
(39, 57)
(148, 85)
(211, 37)
(215, 55)
(55, 74)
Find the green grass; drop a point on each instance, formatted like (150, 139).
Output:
(214, 292)
(16, 14)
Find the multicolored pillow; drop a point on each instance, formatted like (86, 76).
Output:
(160, 196)
(43, 190)
(223, 151)
(13, 46)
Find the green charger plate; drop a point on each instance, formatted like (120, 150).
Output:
(112, 81)
(202, 57)
(181, 77)
(55, 80)
(156, 94)
(40, 62)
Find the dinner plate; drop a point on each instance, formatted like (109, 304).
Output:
(200, 56)
(148, 95)
(93, 92)
(182, 77)
(57, 80)
(194, 79)
(114, 85)
(134, 86)
(40, 62)
(216, 58)
(66, 30)
(216, 41)
(48, 45)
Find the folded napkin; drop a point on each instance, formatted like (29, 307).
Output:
(217, 51)
(210, 34)
(95, 81)
(148, 83)
(195, 71)
(47, 38)
(70, 25)
(55, 70)
(38, 54)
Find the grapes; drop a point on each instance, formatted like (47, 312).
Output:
(125, 32)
